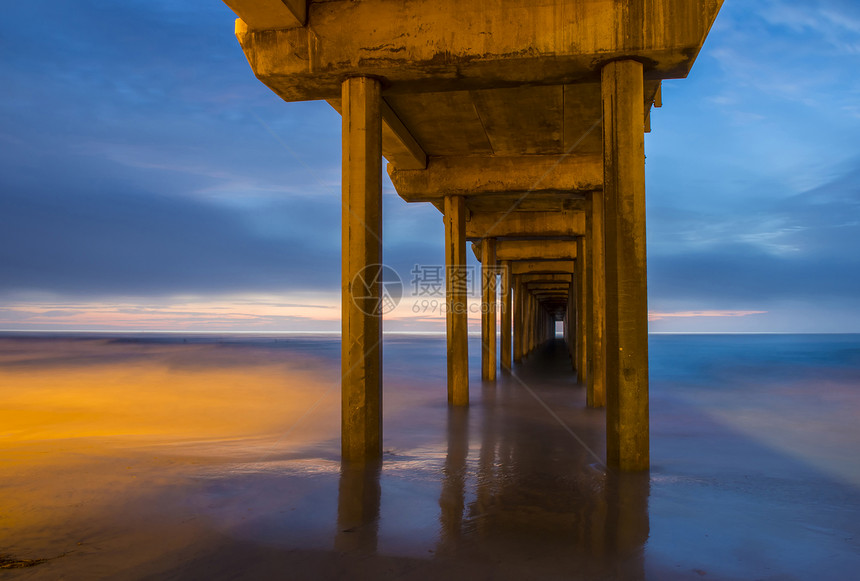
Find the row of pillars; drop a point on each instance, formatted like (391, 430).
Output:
(609, 295)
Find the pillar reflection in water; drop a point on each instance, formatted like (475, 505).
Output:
(538, 499)
(359, 495)
(452, 498)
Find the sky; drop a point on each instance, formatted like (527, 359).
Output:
(149, 182)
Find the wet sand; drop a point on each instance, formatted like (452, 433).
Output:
(219, 459)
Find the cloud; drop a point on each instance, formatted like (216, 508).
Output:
(143, 160)
(213, 313)
(658, 316)
(801, 247)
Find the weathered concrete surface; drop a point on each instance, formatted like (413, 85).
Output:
(581, 307)
(544, 266)
(270, 14)
(547, 286)
(595, 298)
(519, 307)
(456, 301)
(545, 277)
(495, 176)
(536, 249)
(361, 351)
(626, 280)
(435, 45)
(521, 121)
(506, 353)
(398, 145)
(488, 309)
(526, 224)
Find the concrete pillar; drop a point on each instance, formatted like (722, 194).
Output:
(488, 309)
(546, 326)
(581, 308)
(571, 325)
(524, 346)
(595, 297)
(539, 325)
(361, 352)
(532, 318)
(507, 315)
(456, 287)
(564, 327)
(518, 319)
(627, 428)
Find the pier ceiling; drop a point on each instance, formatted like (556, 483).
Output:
(499, 78)
(420, 46)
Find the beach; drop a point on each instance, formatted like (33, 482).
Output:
(218, 457)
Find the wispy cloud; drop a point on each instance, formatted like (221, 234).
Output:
(226, 313)
(657, 316)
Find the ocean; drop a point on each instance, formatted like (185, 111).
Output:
(170, 456)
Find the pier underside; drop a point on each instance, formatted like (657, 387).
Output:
(523, 122)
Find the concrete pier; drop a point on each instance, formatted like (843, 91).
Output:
(457, 311)
(595, 298)
(507, 316)
(361, 349)
(626, 281)
(488, 309)
(524, 125)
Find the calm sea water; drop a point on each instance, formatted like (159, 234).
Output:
(221, 451)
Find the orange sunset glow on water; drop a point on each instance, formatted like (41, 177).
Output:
(92, 429)
(218, 457)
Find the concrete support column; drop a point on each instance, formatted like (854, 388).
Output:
(456, 288)
(571, 325)
(595, 297)
(539, 325)
(525, 322)
(361, 350)
(581, 308)
(507, 313)
(546, 326)
(627, 427)
(518, 319)
(564, 327)
(488, 309)
(532, 314)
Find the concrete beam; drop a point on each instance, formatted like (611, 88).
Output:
(548, 266)
(526, 225)
(560, 296)
(528, 278)
(548, 286)
(269, 14)
(439, 45)
(535, 249)
(521, 176)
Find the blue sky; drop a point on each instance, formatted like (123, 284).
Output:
(149, 181)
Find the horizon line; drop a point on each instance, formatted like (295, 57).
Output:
(440, 333)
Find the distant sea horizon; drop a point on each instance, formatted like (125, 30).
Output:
(337, 333)
(141, 453)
